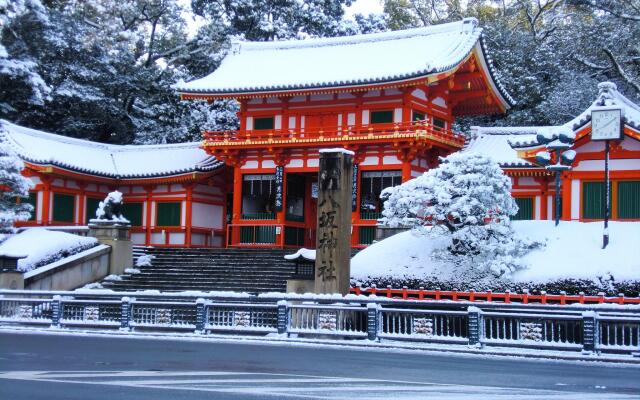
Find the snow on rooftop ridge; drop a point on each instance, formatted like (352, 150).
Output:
(337, 150)
(465, 26)
(498, 148)
(312, 63)
(609, 95)
(119, 161)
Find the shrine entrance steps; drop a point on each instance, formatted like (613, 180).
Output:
(179, 269)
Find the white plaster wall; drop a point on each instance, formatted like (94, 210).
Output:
(345, 96)
(249, 123)
(137, 238)
(339, 120)
(549, 207)
(292, 122)
(370, 161)
(197, 239)
(35, 179)
(526, 181)
(176, 238)
(92, 187)
(57, 182)
(365, 117)
(161, 188)
(386, 160)
(351, 119)
(39, 206)
(206, 215)
(614, 165)
(591, 147)
(313, 162)
(630, 144)
(419, 93)
(278, 122)
(268, 164)
(439, 101)
(537, 209)
(372, 93)
(183, 213)
(157, 238)
(296, 163)
(397, 115)
(321, 97)
(207, 189)
(250, 164)
(575, 199)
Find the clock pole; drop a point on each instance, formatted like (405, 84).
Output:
(607, 185)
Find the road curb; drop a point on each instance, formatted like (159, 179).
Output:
(351, 344)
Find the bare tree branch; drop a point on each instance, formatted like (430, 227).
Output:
(620, 70)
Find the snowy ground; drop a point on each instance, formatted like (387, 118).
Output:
(572, 250)
(42, 246)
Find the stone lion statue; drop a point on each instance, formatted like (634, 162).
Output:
(111, 208)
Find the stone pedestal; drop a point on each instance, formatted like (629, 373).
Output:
(118, 237)
(333, 237)
(10, 277)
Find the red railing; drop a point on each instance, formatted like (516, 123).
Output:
(506, 297)
(374, 131)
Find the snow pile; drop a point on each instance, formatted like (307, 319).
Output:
(573, 250)
(307, 254)
(144, 260)
(43, 247)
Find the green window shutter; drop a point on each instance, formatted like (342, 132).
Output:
(63, 207)
(593, 200)
(168, 214)
(382, 117)
(33, 200)
(92, 206)
(629, 200)
(133, 212)
(525, 208)
(263, 123)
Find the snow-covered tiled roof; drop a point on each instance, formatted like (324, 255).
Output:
(502, 143)
(107, 160)
(497, 144)
(343, 61)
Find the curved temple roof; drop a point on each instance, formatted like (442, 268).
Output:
(113, 161)
(503, 143)
(343, 61)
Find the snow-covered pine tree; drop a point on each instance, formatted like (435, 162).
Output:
(13, 186)
(468, 199)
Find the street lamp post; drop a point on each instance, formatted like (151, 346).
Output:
(558, 141)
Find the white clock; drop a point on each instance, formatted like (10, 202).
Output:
(606, 124)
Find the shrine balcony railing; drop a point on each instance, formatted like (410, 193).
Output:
(579, 328)
(387, 132)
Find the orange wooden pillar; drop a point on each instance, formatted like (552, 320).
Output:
(46, 199)
(237, 205)
(188, 215)
(149, 206)
(566, 196)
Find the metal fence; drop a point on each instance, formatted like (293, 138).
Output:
(588, 328)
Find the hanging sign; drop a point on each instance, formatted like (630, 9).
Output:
(279, 188)
(354, 190)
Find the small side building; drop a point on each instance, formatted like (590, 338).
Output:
(582, 188)
(174, 194)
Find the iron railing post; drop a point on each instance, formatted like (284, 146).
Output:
(56, 311)
(474, 328)
(283, 322)
(590, 332)
(125, 314)
(201, 315)
(373, 312)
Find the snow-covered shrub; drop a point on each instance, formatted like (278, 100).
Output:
(467, 199)
(144, 260)
(13, 186)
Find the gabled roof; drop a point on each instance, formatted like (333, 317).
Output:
(114, 161)
(503, 143)
(344, 61)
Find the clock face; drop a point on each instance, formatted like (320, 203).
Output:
(605, 124)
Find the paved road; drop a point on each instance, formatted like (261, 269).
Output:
(34, 366)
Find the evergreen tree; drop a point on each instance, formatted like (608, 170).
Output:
(13, 186)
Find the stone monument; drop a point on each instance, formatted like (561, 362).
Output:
(333, 235)
(110, 227)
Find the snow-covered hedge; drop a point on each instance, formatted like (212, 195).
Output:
(43, 247)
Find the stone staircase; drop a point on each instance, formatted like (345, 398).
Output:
(179, 269)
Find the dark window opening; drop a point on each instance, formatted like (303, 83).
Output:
(258, 196)
(133, 212)
(92, 206)
(169, 214)
(63, 207)
(263, 123)
(382, 117)
(418, 116)
(371, 185)
(295, 198)
(33, 200)
(439, 123)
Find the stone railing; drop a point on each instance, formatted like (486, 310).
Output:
(588, 329)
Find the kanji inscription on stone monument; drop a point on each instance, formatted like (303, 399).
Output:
(333, 238)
